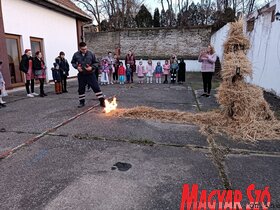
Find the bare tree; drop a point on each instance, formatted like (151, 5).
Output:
(245, 6)
(117, 13)
(92, 7)
(162, 5)
(251, 6)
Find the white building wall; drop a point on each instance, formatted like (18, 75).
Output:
(191, 65)
(218, 39)
(58, 31)
(264, 53)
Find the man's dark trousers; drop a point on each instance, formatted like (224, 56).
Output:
(88, 79)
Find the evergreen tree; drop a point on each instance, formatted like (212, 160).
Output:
(163, 19)
(104, 25)
(156, 18)
(144, 18)
(171, 17)
(193, 13)
(221, 18)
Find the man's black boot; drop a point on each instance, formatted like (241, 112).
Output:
(81, 105)
(102, 102)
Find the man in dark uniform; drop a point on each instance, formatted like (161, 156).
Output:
(85, 62)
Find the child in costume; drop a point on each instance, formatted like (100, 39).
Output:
(158, 72)
(56, 74)
(140, 71)
(149, 71)
(173, 70)
(105, 71)
(110, 60)
(121, 71)
(166, 70)
(128, 73)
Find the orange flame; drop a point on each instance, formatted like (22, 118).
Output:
(110, 106)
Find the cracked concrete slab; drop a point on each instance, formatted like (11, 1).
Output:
(36, 114)
(10, 140)
(101, 125)
(262, 171)
(66, 173)
(261, 147)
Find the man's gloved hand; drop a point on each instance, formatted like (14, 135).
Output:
(88, 68)
(80, 69)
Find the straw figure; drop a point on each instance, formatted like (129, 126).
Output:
(240, 100)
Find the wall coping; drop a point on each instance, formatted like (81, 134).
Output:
(162, 57)
(155, 29)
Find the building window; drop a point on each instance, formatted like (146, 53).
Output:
(14, 55)
(250, 25)
(36, 45)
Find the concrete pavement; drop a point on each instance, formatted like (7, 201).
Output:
(76, 165)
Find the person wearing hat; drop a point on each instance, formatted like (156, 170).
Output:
(64, 70)
(26, 64)
(2, 86)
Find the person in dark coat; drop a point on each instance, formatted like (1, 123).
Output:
(130, 59)
(85, 62)
(116, 68)
(39, 69)
(64, 70)
(182, 71)
(26, 67)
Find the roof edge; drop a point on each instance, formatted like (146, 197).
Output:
(69, 9)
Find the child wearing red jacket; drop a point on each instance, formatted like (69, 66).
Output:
(121, 73)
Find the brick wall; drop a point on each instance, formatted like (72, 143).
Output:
(157, 43)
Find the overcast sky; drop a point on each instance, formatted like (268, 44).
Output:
(152, 4)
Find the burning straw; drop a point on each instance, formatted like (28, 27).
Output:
(244, 114)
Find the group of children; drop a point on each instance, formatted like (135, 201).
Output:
(143, 72)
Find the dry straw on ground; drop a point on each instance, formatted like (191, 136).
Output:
(213, 122)
(244, 114)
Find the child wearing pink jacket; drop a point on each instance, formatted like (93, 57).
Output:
(166, 70)
(149, 71)
(140, 71)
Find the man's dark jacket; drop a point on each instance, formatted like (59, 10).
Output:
(85, 60)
